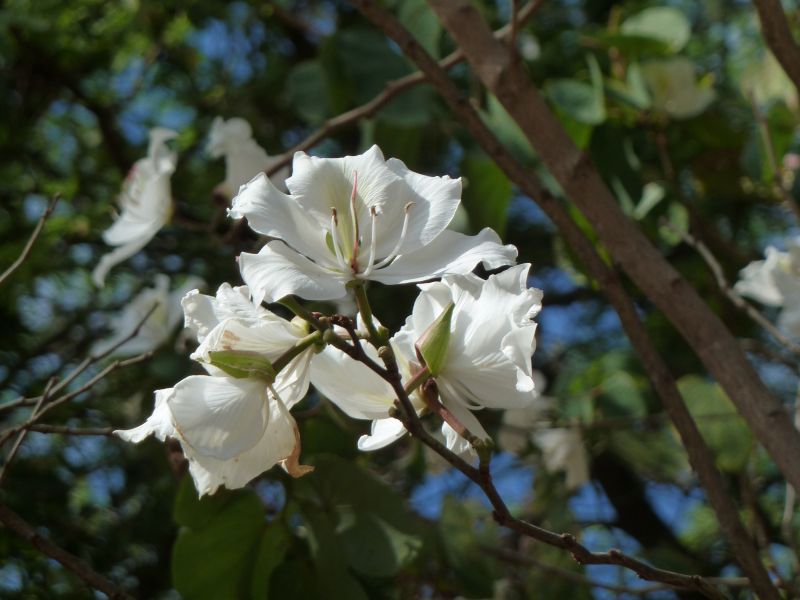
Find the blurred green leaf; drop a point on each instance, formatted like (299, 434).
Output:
(663, 23)
(487, 193)
(723, 429)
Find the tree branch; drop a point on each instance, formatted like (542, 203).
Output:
(71, 562)
(663, 284)
(663, 381)
(31, 240)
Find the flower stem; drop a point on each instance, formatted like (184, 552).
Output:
(298, 309)
(378, 338)
(302, 344)
(417, 379)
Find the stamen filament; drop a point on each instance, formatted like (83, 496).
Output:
(399, 244)
(335, 240)
(354, 218)
(372, 243)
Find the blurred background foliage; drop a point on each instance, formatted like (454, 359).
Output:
(679, 105)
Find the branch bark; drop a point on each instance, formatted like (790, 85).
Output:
(660, 376)
(665, 287)
(23, 529)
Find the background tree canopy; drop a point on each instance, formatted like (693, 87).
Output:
(691, 123)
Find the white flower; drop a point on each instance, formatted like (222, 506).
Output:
(231, 322)
(146, 203)
(244, 158)
(775, 281)
(356, 218)
(488, 358)
(157, 328)
(562, 450)
(231, 430)
(519, 423)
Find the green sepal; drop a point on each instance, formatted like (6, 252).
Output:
(433, 344)
(242, 365)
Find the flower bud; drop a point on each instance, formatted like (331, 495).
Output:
(432, 345)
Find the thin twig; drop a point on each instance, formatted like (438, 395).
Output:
(13, 452)
(31, 240)
(71, 562)
(510, 556)
(66, 430)
(117, 364)
(724, 286)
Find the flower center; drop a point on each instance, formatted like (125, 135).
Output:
(347, 255)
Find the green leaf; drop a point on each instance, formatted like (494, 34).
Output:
(274, 543)
(505, 128)
(422, 22)
(577, 99)
(243, 365)
(652, 194)
(376, 549)
(307, 91)
(663, 23)
(678, 219)
(634, 90)
(214, 558)
(723, 429)
(487, 193)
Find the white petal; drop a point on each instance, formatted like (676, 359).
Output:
(562, 450)
(450, 252)
(292, 382)
(757, 281)
(382, 433)
(116, 256)
(270, 338)
(277, 271)
(351, 385)
(202, 313)
(273, 213)
(158, 424)
(435, 199)
(219, 417)
(454, 441)
(276, 444)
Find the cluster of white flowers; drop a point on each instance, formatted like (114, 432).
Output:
(344, 222)
(775, 281)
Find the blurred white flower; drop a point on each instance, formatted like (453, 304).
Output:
(356, 218)
(145, 201)
(563, 450)
(244, 158)
(775, 281)
(492, 337)
(519, 423)
(157, 328)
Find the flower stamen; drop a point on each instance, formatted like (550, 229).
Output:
(354, 218)
(372, 243)
(393, 254)
(335, 239)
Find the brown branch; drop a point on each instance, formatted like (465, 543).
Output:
(66, 430)
(713, 343)
(526, 560)
(31, 240)
(779, 37)
(71, 562)
(660, 376)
